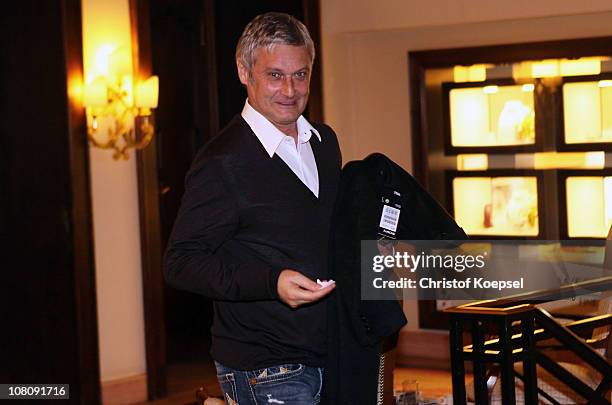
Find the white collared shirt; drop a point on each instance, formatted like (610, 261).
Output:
(299, 158)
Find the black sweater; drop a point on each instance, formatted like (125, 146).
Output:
(244, 218)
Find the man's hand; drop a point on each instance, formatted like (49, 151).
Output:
(295, 289)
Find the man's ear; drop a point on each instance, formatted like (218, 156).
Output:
(243, 72)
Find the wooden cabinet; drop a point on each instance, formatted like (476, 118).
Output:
(519, 150)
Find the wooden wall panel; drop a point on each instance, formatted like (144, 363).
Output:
(49, 317)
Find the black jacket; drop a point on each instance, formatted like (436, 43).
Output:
(356, 328)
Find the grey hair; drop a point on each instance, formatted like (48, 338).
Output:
(270, 29)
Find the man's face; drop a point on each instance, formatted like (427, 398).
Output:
(279, 83)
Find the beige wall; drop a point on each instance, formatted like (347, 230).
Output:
(383, 15)
(115, 216)
(365, 64)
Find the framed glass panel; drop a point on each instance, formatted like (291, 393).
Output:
(589, 206)
(497, 206)
(587, 112)
(492, 115)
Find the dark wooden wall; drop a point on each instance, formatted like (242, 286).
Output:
(48, 305)
(231, 16)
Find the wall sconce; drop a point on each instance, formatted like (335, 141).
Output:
(118, 112)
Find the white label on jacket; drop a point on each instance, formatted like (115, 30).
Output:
(389, 218)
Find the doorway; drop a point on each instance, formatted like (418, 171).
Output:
(192, 51)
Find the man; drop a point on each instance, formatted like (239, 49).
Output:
(252, 231)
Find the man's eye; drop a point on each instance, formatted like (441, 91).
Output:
(300, 75)
(276, 75)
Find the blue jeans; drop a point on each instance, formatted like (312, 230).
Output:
(289, 384)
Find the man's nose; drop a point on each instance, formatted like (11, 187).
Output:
(288, 89)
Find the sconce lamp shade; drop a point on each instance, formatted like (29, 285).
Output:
(120, 62)
(147, 93)
(96, 93)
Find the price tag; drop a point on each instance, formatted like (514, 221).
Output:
(390, 214)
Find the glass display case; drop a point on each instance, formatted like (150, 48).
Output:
(493, 127)
(587, 113)
(586, 203)
(499, 204)
(490, 115)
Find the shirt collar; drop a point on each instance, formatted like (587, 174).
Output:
(270, 136)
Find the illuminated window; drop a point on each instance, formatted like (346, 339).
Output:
(492, 116)
(496, 205)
